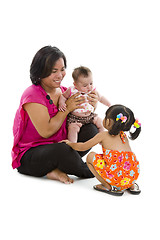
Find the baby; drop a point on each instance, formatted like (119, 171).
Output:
(83, 83)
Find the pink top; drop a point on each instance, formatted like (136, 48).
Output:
(25, 134)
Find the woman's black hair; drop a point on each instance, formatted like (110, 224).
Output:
(43, 62)
(119, 126)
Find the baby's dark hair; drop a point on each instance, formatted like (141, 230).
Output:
(118, 125)
(77, 72)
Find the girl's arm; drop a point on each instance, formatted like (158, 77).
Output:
(86, 145)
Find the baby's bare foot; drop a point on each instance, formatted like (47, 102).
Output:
(60, 176)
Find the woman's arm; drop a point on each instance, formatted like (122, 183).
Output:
(41, 120)
(86, 145)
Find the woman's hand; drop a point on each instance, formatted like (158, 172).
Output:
(74, 102)
(93, 99)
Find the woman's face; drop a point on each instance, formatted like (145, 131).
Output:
(55, 78)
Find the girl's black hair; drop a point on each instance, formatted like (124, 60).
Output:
(43, 62)
(119, 126)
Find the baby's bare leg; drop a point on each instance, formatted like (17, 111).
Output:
(73, 130)
(92, 169)
(98, 122)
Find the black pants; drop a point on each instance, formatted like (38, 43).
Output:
(39, 161)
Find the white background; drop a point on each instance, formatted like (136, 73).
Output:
(120, 42)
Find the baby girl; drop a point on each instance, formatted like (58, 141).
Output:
(83, 83)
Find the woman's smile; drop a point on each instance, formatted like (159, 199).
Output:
(57, 81)
(55, 78)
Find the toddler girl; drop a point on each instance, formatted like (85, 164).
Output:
(117, 168)
(83, 84)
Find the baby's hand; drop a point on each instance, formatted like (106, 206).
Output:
(62, 105)
(62, 108)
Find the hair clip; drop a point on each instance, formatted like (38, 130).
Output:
(120, 116)
(136, 124)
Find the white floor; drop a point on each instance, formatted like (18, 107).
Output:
(119, 41)
(33, 208)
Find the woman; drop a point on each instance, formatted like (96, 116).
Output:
(39, 126)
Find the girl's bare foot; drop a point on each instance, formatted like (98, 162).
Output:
(60, 176)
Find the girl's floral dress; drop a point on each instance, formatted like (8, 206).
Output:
(118, 168)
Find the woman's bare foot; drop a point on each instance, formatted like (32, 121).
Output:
(60, 176)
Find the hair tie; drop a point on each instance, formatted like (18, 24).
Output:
(120, 116)
(136, 124)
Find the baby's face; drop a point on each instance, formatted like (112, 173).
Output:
(84, 84)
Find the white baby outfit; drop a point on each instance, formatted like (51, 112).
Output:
(88, 107)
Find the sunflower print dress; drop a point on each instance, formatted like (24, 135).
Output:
(118, 168)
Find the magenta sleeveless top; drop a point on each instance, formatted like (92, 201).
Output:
(24, 132)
